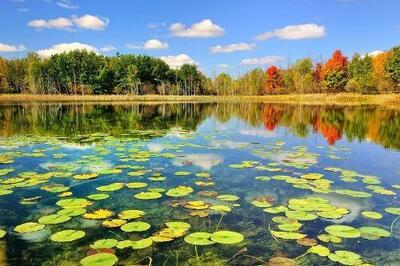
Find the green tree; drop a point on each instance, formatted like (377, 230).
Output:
(302, 72)
(361, 75)
(392, 66)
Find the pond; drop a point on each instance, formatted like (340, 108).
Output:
(199, 184)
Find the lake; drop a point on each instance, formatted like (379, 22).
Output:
(199, 184)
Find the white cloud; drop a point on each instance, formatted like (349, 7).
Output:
(85, 22)
(223, 66)
(67, 4)
(65, 47)
(203, 29)
(156, 25)
(152, 44)
(375, 53)
(267, 60)
(23, 9)
(91, 22)
(108, 48)
(7, 48)
(294, 32)
(57, 23)
(232, 48)
(177, 61)
(155, 44)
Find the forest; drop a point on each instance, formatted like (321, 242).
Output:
(86, 73)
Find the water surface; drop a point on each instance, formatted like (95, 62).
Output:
(323, 165)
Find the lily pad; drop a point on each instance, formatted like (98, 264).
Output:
(135, 227)
(111, 187)
(220, 208)
(228, 197)
(301, 215)
(67, 235)
(199, 239)
(281, 261)
(372, 215)
(28, 227)
(141, 244)
(373, 233)
(113, 223)
(393, 210)
(131, 214)
(98, 214)
(329, 238)
(72, 212)
(100, 259)
(99, 196)
(104, 243)
(54, 219)
(344, 231)
(178, 226)
(319, 250)
(227, 237)
(345, 257)
(179, 191)
(288, 235)
(136, 185)
(148, 195)
(2, 233)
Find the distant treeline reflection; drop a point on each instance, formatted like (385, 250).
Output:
(376, 124)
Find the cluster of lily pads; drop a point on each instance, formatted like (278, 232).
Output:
(148, 183)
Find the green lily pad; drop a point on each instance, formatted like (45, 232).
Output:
(135, 227)
(372, 215)
(393, 210)
(54, 219)
(199, 239)
(290, 227)
(276, 209)
(228, 197)
(28, 227)
(111, 187)
(104, 243)
(72, 212)
(221, 208)
(373, 233)
(282, 261)
(148, 195)
(141, 244)
(301, 215)
(136, 185)
(327, 238)
(131, 214)
(178, 226)
(98, 196)
(100, 259)
(180, 191)
(67, 235)
(73, 203)
(319, 250)
(345, 257)
(227, 237)
(182, 173)
(288, 235)
(353, 193)
(344, 231)
(2, 233)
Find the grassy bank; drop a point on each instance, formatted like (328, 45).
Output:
(336, 99)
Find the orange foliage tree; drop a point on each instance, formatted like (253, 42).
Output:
(274, 80)
(335, 71)
(379, 74)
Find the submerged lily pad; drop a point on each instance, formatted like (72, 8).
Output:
(373, 233)
(100, 259)
(344, 231)
(135, 227)
(227, 237)
(28, 227)
(67, 235)
(199, 239)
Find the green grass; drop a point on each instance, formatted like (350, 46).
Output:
(337, 99)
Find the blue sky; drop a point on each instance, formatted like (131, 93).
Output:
(218, 35)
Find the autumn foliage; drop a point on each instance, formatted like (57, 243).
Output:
(274, 80)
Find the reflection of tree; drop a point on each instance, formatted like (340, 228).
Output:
(377, 124)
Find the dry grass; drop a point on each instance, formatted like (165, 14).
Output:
(336, 99)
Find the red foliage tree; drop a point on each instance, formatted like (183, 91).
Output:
(271, 117)
(330, 132)
(274, 79)
(337, 62)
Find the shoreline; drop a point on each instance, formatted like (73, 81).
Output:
(332, 99)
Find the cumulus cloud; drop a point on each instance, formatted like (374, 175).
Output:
(108, 48)
(232, 48)
(85, 22)
(91, 22)
(8, 48)
(177, 61)
(67, 4)
(152, 44)
(65, 47)
(155, 44)
(203, 29)
(267, 60)
(57, 23)
(375, 53)
(294, 32)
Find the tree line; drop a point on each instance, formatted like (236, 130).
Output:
(84, 72)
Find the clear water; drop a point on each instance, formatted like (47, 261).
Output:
(47, 145)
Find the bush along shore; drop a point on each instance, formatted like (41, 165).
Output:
(81, 72)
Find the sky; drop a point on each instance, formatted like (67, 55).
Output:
(218, 35)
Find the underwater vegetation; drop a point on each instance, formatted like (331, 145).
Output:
(223, 192)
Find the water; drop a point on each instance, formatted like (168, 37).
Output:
(46, 147)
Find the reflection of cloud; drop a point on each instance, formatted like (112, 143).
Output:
(257, 132)
(179, 133)
(203, 160)
(228, 144)
(355, 206)
(75, 146)
(155, 147)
